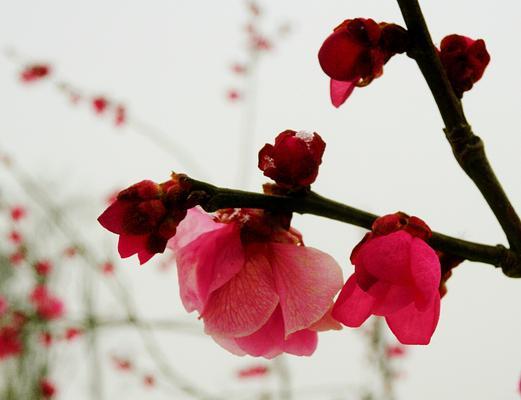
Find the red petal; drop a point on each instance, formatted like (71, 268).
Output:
(113, 217)
(353, 306)
(340, 91)
(411, 326)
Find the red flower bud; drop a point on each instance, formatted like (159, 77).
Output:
(294, 159)
(464, 60)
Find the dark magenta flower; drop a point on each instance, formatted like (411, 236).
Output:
(397, 276)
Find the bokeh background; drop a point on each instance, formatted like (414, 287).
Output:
(168, 62)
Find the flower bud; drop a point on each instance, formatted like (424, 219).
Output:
(294, 159)
(464, 60)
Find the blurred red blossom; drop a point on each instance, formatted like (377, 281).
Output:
(17, 213)
(47, 388)
(122, 364)
(43, 267)
(34, 72)
(15, 237)
(294, 159)
(107, 268)
(47, 305)
(46, 339)
(70, 251)
(239, 68)
(395, 351)
(17, 257)
(253, 372)
(10, 342)
(100, 104)
(233, 95)
(72, 333)
(120, 115)
(4, 305)
(397, 275)
(149, 380)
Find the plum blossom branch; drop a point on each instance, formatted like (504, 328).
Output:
(216, 198)
(468, 148)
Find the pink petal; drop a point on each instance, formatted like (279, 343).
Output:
(425, 271)
(245, 302)
(229, 344)
(207, 263)
(387, 258)
(306, 280)
(353, 305)
(326, 323)
(301, 343)
(411, 326)
(340, 91)
(193, 225)
(268, 341)
(112, 218)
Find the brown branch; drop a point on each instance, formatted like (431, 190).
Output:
(467, 148)
(312, 203)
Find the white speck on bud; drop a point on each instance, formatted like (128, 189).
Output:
(306, 136)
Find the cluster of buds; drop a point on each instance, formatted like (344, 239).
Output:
(146, 215)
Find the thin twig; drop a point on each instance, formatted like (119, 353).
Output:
(468, 148)
(312, 203)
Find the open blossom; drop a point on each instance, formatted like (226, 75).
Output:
(257, 288)
(397, 275)
(146, 215)
(47, 305)
(355, 53)
(294, 159)
(464, 60)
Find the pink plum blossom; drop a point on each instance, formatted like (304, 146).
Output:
(397, 276)
(257, 288)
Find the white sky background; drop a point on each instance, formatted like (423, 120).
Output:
(169, 62)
